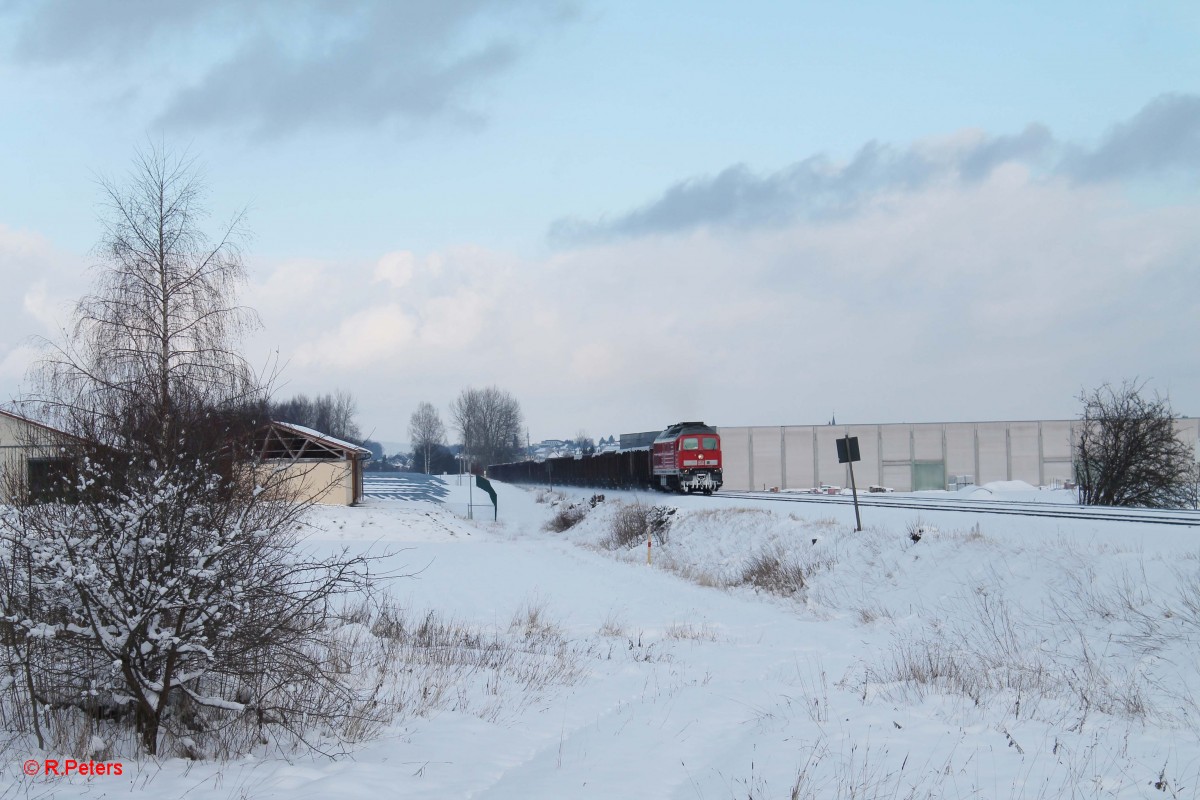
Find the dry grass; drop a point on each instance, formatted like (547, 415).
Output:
(400, 665)
(869, 613)
(633, 524)
(1100, 648)
(567, 517)
(687, 631)
(774, 571)
(532, 622)
(780, 571)
(612, 627)
(918, 529)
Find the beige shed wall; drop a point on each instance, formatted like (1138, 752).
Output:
(19, 441)
(328, 482)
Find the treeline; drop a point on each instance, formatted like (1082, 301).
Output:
(332, 414)
(487, 425)
(487, 421)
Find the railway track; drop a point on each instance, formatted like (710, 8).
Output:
(1013, 508)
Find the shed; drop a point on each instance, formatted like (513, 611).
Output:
(329, 469)
(33, 456)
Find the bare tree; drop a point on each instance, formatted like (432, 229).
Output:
(170, 593)
(490, 424)
(159, 332)
(584, 443)
(329, 413)
(1127, 452)
(426, 432)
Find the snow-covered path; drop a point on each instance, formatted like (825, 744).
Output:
(684, 683)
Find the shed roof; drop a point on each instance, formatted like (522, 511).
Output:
(282, 444)
(41, 425)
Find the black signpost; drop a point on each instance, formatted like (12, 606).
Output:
(486, 485)
(847, 449)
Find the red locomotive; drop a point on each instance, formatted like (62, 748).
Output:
(686, 457)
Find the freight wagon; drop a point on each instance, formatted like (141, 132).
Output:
(686, 457)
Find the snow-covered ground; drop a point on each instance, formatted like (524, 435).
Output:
(934, 654)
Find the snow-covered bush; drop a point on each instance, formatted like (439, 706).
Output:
(162, 588)
(633, 523)
(172, 598)
(566, 517)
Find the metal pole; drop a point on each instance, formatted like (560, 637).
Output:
(853, 489)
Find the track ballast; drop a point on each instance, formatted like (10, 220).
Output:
(1013, 508)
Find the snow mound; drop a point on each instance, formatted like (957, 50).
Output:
(1008, 486)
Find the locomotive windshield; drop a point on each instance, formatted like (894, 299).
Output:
(710, 443)
(691, 443)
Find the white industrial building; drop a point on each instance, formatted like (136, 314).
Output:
(906, 456)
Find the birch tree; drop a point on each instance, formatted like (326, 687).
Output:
(170, 593)
(426, 432)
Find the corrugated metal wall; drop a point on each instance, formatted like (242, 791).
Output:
(803, 456)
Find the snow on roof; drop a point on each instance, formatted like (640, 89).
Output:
(36, 424)
(323, 438)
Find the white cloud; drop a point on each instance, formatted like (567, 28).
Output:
(455, 321)
(361, 340)
(40, 285)
(396, 268)
(13, 366)
(38, 304)
(994, 299)
(289, 286)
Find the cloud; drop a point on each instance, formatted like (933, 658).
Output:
(79, 31)
(395, 269)
(39, 291)
(1027, 147)
(738, 197)
(1164, 135)
(275, 67)
(363, 338)
(997, 298)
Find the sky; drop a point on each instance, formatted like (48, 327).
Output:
(628, 214)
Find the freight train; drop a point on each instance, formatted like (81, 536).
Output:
(686, 457)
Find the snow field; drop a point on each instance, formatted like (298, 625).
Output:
(994, 657)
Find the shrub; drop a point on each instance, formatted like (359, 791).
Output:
(566, 517)
(917, 529)
(632, 524)
(1128, 452)
(775, 571)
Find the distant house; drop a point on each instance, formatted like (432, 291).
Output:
(33, 457)
(329, 470)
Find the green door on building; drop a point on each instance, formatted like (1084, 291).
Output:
(928, 475)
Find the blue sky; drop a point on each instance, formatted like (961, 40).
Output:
(630, 213)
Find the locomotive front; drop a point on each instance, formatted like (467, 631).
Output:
(687, 458)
